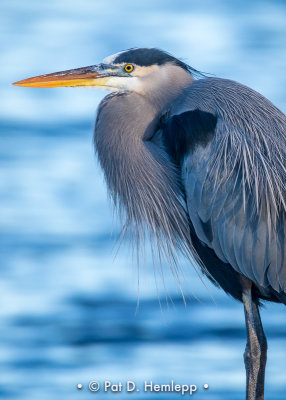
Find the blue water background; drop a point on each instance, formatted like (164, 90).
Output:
(71, 308)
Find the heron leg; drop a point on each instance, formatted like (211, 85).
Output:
(256, 347)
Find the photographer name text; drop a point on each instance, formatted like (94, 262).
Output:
(147, 386)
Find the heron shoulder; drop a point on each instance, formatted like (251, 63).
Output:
(235, 187)
(216, 108)
(186, 131)
(230, 100)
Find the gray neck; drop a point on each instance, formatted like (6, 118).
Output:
(140, 176)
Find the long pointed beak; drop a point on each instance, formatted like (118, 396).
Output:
(87, 76)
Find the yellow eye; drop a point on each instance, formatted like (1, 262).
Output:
(129, 67)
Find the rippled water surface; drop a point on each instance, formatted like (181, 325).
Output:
(71, 308)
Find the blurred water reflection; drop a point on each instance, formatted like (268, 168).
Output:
(69, 311)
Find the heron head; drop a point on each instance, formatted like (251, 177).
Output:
(140, 70)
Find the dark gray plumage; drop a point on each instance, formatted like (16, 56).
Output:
(228, 142)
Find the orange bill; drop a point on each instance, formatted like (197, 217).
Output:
(87, 76)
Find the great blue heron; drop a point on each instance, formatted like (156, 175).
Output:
(200, 163)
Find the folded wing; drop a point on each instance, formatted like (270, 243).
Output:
(230, 143)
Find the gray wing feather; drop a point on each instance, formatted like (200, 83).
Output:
(235, 184)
